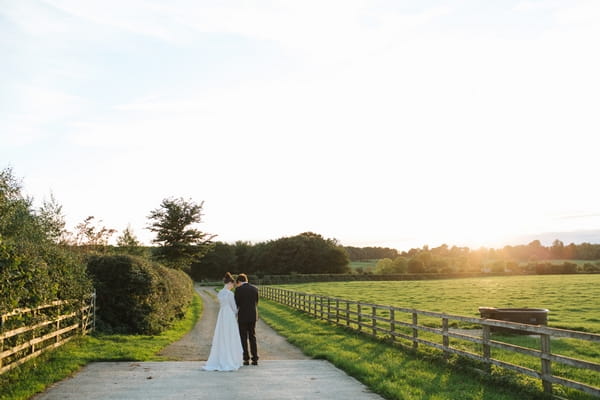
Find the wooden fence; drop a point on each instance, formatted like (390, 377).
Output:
(26, 333)
(415, 327)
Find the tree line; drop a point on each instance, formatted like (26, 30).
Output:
(534, 251)
(306, 253)
(530, 258)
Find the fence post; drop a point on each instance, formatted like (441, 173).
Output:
(82, 315)
(337, 311)
(328, 309)
(546, 363)
(374, 321)
(445, 338)
(392, 323)
(486, 347)
(321, 303)
(94, 308)
(321, 306)
(359, 319)
(415, 332)
(347, 313)
(2, 317)
(57, 326)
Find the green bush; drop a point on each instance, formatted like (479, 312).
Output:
(135, 295)
(33, 269)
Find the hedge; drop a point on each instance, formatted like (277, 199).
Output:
(135, 295)
(33, 269)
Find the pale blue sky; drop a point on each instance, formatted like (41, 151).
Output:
(385, 123)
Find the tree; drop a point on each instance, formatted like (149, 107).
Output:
(179, 242)
(33, 269)
(415, 266)
(128, 243)
(52, 219)
(558, 249)
(384, 266)
(221, 258)
(306, 253)
(92, 235)
(400, 265)
(245, 256)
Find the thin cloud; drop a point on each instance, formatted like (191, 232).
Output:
(579, 216)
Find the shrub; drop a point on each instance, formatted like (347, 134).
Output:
(589, 267)
(415, 266)
(135, 295)
(549, 268)
(33, 269)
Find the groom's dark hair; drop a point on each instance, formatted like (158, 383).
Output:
(241, 278)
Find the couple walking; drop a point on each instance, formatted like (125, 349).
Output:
(231, 337)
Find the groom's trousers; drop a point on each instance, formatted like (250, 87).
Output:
(247, 334)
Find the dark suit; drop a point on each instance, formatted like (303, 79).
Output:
(246, 298)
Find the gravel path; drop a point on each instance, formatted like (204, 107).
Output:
(195, 346)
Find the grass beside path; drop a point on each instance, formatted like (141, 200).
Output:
(386, 370)
(34, 376)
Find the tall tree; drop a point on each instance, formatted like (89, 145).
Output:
(179, 242)
(92, 235)
(128, 242)
(306, 253)
(53, 220)
(558, 249)
(221, 258)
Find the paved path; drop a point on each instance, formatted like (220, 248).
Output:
(273, 379)
(284, 372)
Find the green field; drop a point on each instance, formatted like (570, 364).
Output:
(572, 299)
(366, 265)
(396, 375)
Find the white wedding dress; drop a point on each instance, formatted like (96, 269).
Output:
(226, 350)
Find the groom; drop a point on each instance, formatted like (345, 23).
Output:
(246, 298)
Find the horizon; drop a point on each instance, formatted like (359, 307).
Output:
(392, 124)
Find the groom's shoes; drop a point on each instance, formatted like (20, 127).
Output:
(246, 363)
(254, 362)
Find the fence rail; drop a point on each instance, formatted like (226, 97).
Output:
(386, 321)
(26, 333)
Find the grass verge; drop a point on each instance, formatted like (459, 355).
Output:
(34, 376)
(386, 370)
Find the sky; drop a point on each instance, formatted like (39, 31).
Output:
(375, 123)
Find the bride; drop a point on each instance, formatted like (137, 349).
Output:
(226, 349)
